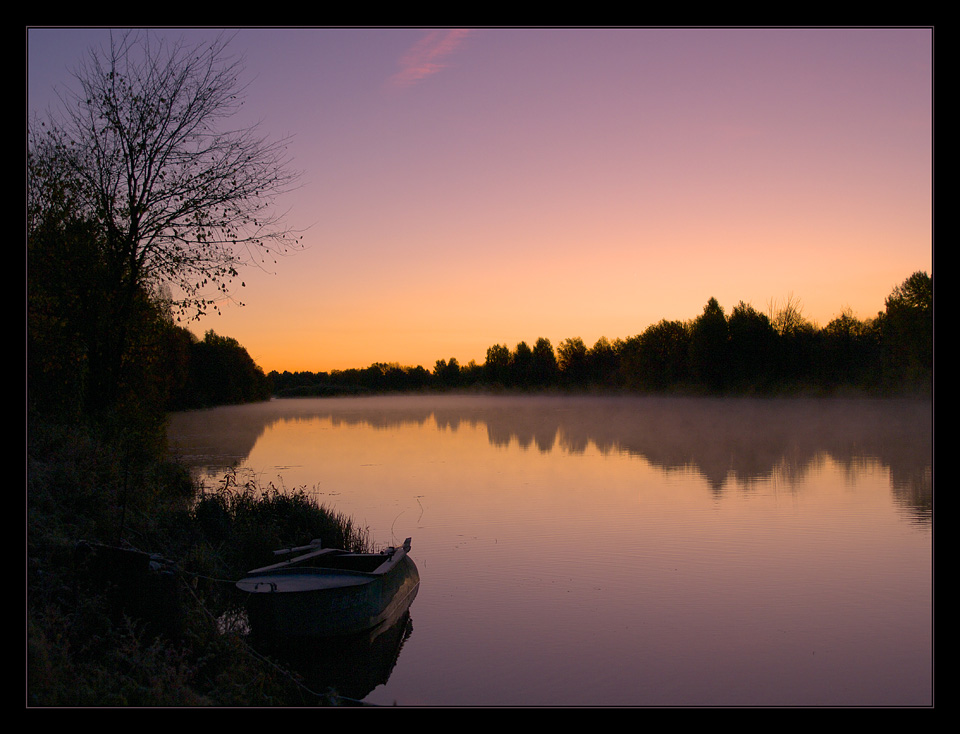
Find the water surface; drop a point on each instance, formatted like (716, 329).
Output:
(625, 551)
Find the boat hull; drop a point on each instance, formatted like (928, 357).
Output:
(300, 603)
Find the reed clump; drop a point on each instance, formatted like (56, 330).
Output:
(89, 643)
(242, 523)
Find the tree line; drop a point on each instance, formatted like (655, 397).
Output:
(745, 352)
(141, 210)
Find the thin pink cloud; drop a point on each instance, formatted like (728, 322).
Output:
(425, 58)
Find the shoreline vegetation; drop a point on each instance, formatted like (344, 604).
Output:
(105, 629)
(135, 224)
(101, 480)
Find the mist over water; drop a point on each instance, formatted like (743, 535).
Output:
(625, 551)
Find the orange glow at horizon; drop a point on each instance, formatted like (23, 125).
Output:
(470, 187)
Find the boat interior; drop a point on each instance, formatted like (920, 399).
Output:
(365, 562)
(332, 558)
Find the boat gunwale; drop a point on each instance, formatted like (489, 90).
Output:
(313, 571)
(391, 562)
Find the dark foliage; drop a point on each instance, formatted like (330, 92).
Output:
(220, 372)
(747, 352)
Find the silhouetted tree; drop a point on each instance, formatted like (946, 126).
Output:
(161, 353)
(797, 342)
(787, 318)
(657, 359)
(447, 374)
(496, 369)
(65, 279)
(73, 339)
(849, 352)
(752, 347)
(171, 197)
(416, 378)
(544, 368)
(749, 351)
(394, 377)
(223, 373)
(471, 373)
(603, 362)
(521, 365)
(907, 332)
(288, 383)
(709, 346)
(572, 361)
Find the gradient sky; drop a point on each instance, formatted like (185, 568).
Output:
(464, 188)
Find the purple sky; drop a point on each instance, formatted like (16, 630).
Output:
(470, 187)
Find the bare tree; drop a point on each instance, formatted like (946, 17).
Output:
(182, 199)
(172, 199)
(788, 319)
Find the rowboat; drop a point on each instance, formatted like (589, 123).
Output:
(327, 592)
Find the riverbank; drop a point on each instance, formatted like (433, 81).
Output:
(88, 643)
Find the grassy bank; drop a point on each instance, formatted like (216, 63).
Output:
(170, 642)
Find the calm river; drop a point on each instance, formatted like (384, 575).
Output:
(579, 551)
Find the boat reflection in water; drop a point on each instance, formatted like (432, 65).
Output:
(348, 668)
(338, 618)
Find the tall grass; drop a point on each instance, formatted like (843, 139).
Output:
(243, 523)
(80, 652)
